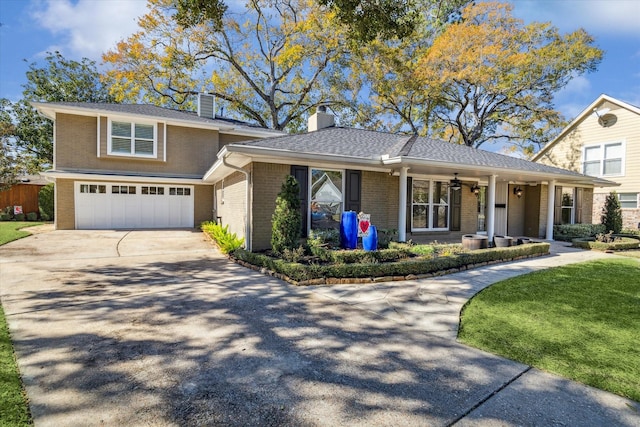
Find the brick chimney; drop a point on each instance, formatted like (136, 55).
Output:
(320, 119)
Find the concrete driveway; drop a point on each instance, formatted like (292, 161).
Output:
(155, 328)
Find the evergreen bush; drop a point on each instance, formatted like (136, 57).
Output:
(286, 220)
(46, 202)
(611, 216)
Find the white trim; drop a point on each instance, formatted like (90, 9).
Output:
(491, 207)
(601, 146)
(551, 208)
(164, 141)
(132, 153)
(584, 114)
(430, 205)
(402, 208)
(50, 111)
(128, 178)
(98, 137)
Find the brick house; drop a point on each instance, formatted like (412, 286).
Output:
(602, 141)
(135, 166)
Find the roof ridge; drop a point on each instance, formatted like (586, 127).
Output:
(406, 148)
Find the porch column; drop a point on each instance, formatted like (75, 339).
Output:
(402, 208)
(491, 207)
(551, 204)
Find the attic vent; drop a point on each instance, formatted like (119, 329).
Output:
(206, 105)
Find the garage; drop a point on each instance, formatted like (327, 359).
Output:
(117, 205)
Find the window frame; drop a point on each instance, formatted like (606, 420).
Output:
(310, 199)
(571, 209)
(602, 148)
(633, 196)
(430, 205)
(132, 138)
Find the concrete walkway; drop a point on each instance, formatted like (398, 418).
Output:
(433, 305)
(155, 328)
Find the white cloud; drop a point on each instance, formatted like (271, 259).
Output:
(600, 16)
(89, 28)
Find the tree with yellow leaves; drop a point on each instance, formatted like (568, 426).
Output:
(269, 63)
(495, 77)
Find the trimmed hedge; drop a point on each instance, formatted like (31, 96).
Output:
(568, 232)
(301, 274)
(624, 243)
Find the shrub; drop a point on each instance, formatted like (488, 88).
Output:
(299, 272)
(293, 255)
(19, 217)
(329, 237)
(618, 244)
(568, 232)
(5, 217)
(32, 216)
(386, 236)
(226, 241)
(286, 220)
(46, 202)
(611, 216)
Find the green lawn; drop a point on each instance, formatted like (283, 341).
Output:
(11, 230)
(14, 410)
(580, 321)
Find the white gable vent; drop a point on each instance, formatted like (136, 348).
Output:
(206, 105)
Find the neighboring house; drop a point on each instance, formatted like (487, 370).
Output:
(602, 141)
(136, 166)
(132, 166)
(23, 193)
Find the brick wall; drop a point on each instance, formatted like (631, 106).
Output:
(65, 215)
(379, 197)
(230, 195)
(630, 217)
(267, 181)
(190, 151)
(202, 204)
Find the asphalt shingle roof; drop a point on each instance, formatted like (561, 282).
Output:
(160, 112)
(366, 144)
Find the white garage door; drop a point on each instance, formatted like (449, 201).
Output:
(124, 205)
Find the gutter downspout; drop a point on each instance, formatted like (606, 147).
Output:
(247, 209)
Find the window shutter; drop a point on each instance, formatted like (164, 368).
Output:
(456, 209)
(301, 174)
(557, 211)
(409, 203)
(579, 193)
(353, 188)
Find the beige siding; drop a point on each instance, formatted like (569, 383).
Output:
(65, 215)
(190, 151)
(567, 153)
(267, 181)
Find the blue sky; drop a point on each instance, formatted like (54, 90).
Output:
(87, 28)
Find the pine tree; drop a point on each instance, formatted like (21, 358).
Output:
(286, 219)
(611, 216)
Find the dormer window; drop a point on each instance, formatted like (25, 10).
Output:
(132, 139)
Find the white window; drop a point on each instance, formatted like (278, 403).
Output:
(429, 205)
(603, 160)
(132, 139)
(326, 198)
(568, 205)
(628, 200)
